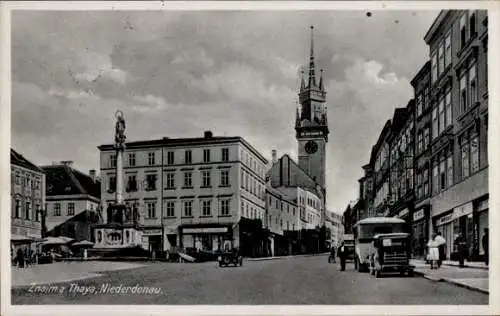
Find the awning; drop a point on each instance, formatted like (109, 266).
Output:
(55, 241)
(83, 243)
(21, 238)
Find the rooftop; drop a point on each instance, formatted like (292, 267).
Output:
(19, 160)
(62, 179)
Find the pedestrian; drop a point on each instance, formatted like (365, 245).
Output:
(486, 249)
(332, 254)
(433, 251)
(461, 245)
(20, 258)
(441, 248)
(342, 253)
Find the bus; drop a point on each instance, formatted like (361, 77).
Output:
(364, 231)
(349, 244)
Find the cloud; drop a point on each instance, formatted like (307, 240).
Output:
(177, 74)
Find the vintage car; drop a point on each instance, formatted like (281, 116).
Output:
(230, 257)
(390, 253)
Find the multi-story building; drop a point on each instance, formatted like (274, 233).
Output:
(401, 164)
(28, 201)
(73, 200)
(421, 230)
(282, 218)
(457, 43)
(189, 192)
(334, 223)
(366, 193)
(379, 159)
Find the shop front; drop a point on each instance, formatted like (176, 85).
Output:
(458, 221)
(207, 238)
(151, 239)
(420, 231)
(481, 221)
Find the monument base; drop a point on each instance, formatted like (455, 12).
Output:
(118, 233)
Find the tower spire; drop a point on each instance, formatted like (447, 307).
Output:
(312, 70)
(321, 87)
(302, 83)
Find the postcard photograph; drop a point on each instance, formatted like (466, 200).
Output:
(249, 157)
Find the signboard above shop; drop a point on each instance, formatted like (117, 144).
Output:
(418, 215)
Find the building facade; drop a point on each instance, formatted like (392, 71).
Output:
(28, 201)
(450, 140)
(189, 192)
(421, 229)
(73, 201)
(457, 43)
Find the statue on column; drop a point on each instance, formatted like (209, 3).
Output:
(120, 130)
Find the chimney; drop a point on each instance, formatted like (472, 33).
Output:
(67, 163)
(274, 156)
(92, 174)
(208, 134)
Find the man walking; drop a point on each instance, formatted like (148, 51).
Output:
(332, 254)
(441, 242)
(342, 253)
(485, 243)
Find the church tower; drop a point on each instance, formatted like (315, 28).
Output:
(311, 123)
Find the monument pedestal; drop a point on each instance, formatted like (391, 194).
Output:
(121, 230)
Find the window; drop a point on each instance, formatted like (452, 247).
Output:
(435, 179)
(463, 93)
(242, 207)
(151, 159)
(442, 174)
(28, 210)
(205, 174)
(188, 157)
(474, 154)
(17, 212)
(224, 178)
(57, 209)
(434, 123)
(425, 179)
(206, 208)
(18, 178)
(472, 23)
(473, 85)
(151, 206)
(188, 179)
(427, 140)
(463, 31)
(465, 158)
(242, 177)
(434, 67)
(151, 182)
(170, 209)
(449, 170)
(419, 104)
(37, 213)
(170, 158)
(188, 208)
(246, 182)
(71, 209)
(131, 160)
(447, 50)
(420, 142)
(247, 213)
(447, 105)
(441, 116)
(224, 207)
(170, 180)
(131, 183)
(440, 59)
(111, 184)
(206, 155)
(225, 154)
(112, 161)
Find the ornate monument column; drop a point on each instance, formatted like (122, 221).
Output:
(120, 148)
(122, 228)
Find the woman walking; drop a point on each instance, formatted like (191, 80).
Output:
(433, 252)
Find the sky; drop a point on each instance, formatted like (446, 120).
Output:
(236, 73)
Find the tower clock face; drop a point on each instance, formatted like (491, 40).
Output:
(311, 147)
